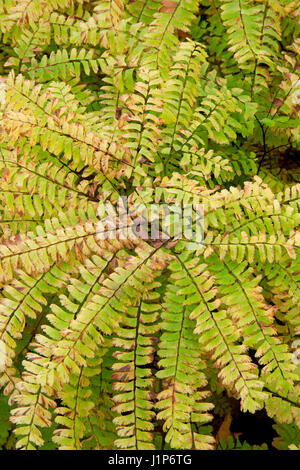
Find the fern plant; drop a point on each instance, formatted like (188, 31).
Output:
(126, 343)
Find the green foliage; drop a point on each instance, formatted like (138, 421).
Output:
(230, 444)
(125, 343)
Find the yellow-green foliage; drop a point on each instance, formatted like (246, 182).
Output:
(128, 343)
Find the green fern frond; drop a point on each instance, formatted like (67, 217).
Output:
(182, 404)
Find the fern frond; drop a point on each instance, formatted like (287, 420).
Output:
(101, 432)
(76, 396)
(255, 319)
(251, 45)
(50, 124)
(62, 65)
(256, 247)
(35, 38)
(143, 10)
(284, 282)
(109, 12)
(214, 119)
(284, 408)
(182, 402)
(142, 130)
(33, 408)
(30, 189)
(133, 378)
(101, 315)
(55, 241)
(24, 298)
(218, 335)
(27, 11)
(180, 94)
(161, 34)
